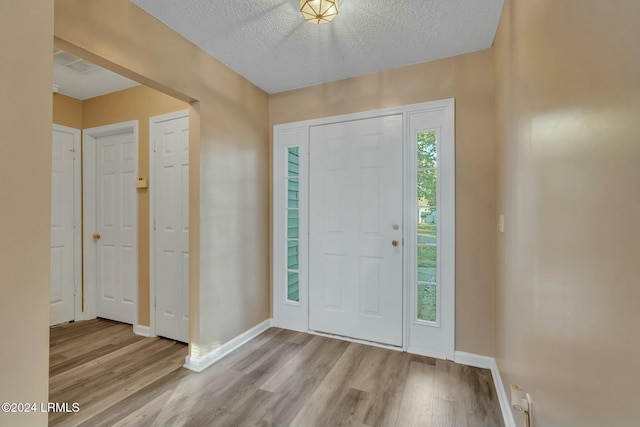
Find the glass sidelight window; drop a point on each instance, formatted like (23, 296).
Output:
(293, 224)
(427, 286)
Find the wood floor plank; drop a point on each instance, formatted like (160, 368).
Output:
(320, 407)
(417, 399)
(280, 378)
(388, 387)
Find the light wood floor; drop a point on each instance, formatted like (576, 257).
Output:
(281, 378)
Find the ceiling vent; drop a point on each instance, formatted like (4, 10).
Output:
(73, 62)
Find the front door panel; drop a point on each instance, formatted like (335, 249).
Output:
(355, 226)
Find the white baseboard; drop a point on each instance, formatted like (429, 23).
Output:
(505, 404)
(474, 360)
(485, 362)
(208, 358)
(143, 331)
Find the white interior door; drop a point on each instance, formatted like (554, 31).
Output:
(170, 189)
(355, 229)
(63, 234)
(116, 226)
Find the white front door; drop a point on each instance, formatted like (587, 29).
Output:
(63, 209)
(170, 187)
(356, 228)
(116, 226)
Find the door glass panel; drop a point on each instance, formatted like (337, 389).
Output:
(427, 302)
(293, 223)
(292, 255)
(293, 293)
(427, 225)
(293, 164)
(427, 264)
(427, 150)
(427, 187)
(293, 193)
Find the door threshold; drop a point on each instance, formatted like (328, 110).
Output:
(357, 340)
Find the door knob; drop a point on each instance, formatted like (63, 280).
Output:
(394, 243)
(96, 236)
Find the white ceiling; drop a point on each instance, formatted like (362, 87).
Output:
(81, 79)
(270, 44)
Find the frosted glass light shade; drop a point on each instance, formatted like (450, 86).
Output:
(319, 11)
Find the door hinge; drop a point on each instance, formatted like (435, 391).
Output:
(155, 304)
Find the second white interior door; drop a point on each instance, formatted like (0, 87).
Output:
(355, 229)
(170, 136)
(116, 219)
(64, 200)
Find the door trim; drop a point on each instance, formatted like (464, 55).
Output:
(294, 316)
(153, 122)
(77, 219)
(89, 137)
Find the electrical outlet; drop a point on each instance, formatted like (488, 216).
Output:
(522, 402)
(501, 223)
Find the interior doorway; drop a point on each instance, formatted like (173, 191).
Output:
(169, 210)
(110, 165)
(113, 118)
(65, 296)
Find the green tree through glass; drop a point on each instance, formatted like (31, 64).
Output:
(427, 159)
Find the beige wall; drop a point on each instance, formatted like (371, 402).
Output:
(568, 293)
(229, 244)
(138, 103)
(67, 111)
(25, 188)
(468, 79)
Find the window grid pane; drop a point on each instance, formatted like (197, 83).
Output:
(293, 193)
(427, 149)
(427, 303)
(427, 264)
(293, 161)
(427, 188)
(427, 225)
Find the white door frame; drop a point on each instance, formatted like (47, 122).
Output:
(89, 137)
(292, 315)
(153, 122)
(77, 219)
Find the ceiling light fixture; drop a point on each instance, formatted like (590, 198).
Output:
(319, 11)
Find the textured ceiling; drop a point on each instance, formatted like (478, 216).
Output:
(270, 44)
